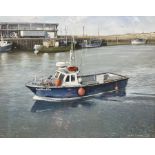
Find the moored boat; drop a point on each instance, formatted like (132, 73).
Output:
(138, 42)
(68, 84)
(37, 48)
(5, 46)
(91, 44)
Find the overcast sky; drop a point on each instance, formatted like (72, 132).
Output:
(105, 25)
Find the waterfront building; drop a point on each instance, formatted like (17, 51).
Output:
(28, 30)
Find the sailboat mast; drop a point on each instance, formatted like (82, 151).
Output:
(66, 34)
(83, 31)
(1, 37)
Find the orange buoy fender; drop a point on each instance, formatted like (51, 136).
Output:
(81, 91)
(57, 82)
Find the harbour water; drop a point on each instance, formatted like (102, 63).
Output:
(132, 115)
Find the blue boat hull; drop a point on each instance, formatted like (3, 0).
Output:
(69, 93)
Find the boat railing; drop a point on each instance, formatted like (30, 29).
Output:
(103, 73)
(38, 81)
(89, 79)
(101, 78)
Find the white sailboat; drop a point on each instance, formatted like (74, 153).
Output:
(37, 48)
(138, 41)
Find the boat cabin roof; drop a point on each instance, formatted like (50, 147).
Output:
(65, 71)
(68, 78)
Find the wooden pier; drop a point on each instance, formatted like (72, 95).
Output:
(25, 43)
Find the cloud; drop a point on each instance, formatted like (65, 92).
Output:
(105, 25)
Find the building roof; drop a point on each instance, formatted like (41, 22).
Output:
(28, 23)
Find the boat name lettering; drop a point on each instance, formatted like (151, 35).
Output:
(42, 89)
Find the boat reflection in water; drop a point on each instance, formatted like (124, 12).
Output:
(40, 106)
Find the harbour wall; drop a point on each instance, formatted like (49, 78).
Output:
(28, 43)
(25, 43)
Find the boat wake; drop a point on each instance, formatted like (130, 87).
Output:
(144, 94)
(42, 105)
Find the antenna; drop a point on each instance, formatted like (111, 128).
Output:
(72, 56)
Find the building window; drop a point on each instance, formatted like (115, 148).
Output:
(13, 26)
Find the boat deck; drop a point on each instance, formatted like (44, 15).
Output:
(100, 78)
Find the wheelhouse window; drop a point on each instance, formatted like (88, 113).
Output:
(67, 79)
(57, 75)
(61, 77)
(72, 78)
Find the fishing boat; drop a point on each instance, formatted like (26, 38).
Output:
(91, 44)
(67, 83)
(138, 41)
(5, 46)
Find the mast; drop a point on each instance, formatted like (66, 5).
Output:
(98, 31)
(1, 37)
(66, 34)
(83, 31)
(72, 55)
